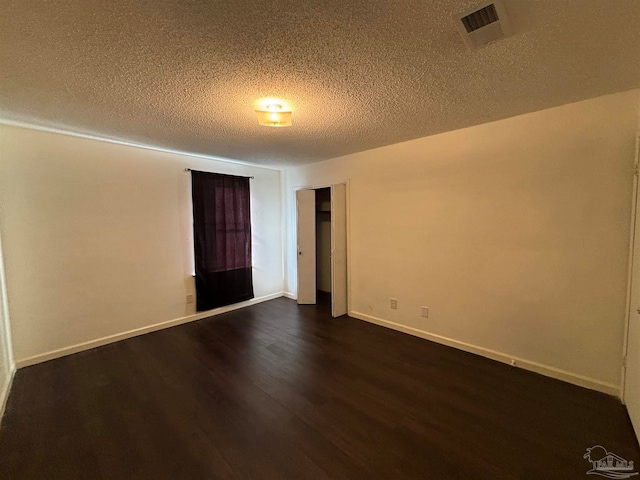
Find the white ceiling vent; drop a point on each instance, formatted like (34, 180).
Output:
(484, 24)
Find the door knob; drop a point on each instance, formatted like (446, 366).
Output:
(638, 309)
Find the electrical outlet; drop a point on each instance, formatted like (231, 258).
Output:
(425, 312)
(189, 297)
(394, 303)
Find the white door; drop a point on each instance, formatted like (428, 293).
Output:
(632, 376)
(306, 209)
(339, 249)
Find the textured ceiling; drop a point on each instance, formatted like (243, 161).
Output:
(184, 74)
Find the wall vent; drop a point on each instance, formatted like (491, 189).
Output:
(483, 24)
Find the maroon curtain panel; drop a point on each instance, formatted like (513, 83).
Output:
(222, 239)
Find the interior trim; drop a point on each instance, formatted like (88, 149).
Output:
(549, 371)
(98, 342)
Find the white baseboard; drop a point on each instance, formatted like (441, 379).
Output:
(5, 390)
(547, 370)
(61, 352)
(289, 295)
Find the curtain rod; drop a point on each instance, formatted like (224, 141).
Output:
(189, 170)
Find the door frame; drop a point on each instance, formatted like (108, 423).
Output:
(292, 200)
(633, 240)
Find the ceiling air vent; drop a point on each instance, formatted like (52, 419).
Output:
(483, 25)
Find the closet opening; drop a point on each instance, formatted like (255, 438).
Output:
(322, 246)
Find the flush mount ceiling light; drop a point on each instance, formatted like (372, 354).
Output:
(274, 114)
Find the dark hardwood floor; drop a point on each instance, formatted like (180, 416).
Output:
(278, 391)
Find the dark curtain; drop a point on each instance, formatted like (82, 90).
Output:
(222, 239)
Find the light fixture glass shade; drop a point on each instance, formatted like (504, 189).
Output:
(274, 118)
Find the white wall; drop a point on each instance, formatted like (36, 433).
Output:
(98, 241)
(514, 234)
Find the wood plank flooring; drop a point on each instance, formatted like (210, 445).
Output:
(281, 391)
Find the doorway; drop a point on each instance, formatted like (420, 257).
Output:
(322, 246)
